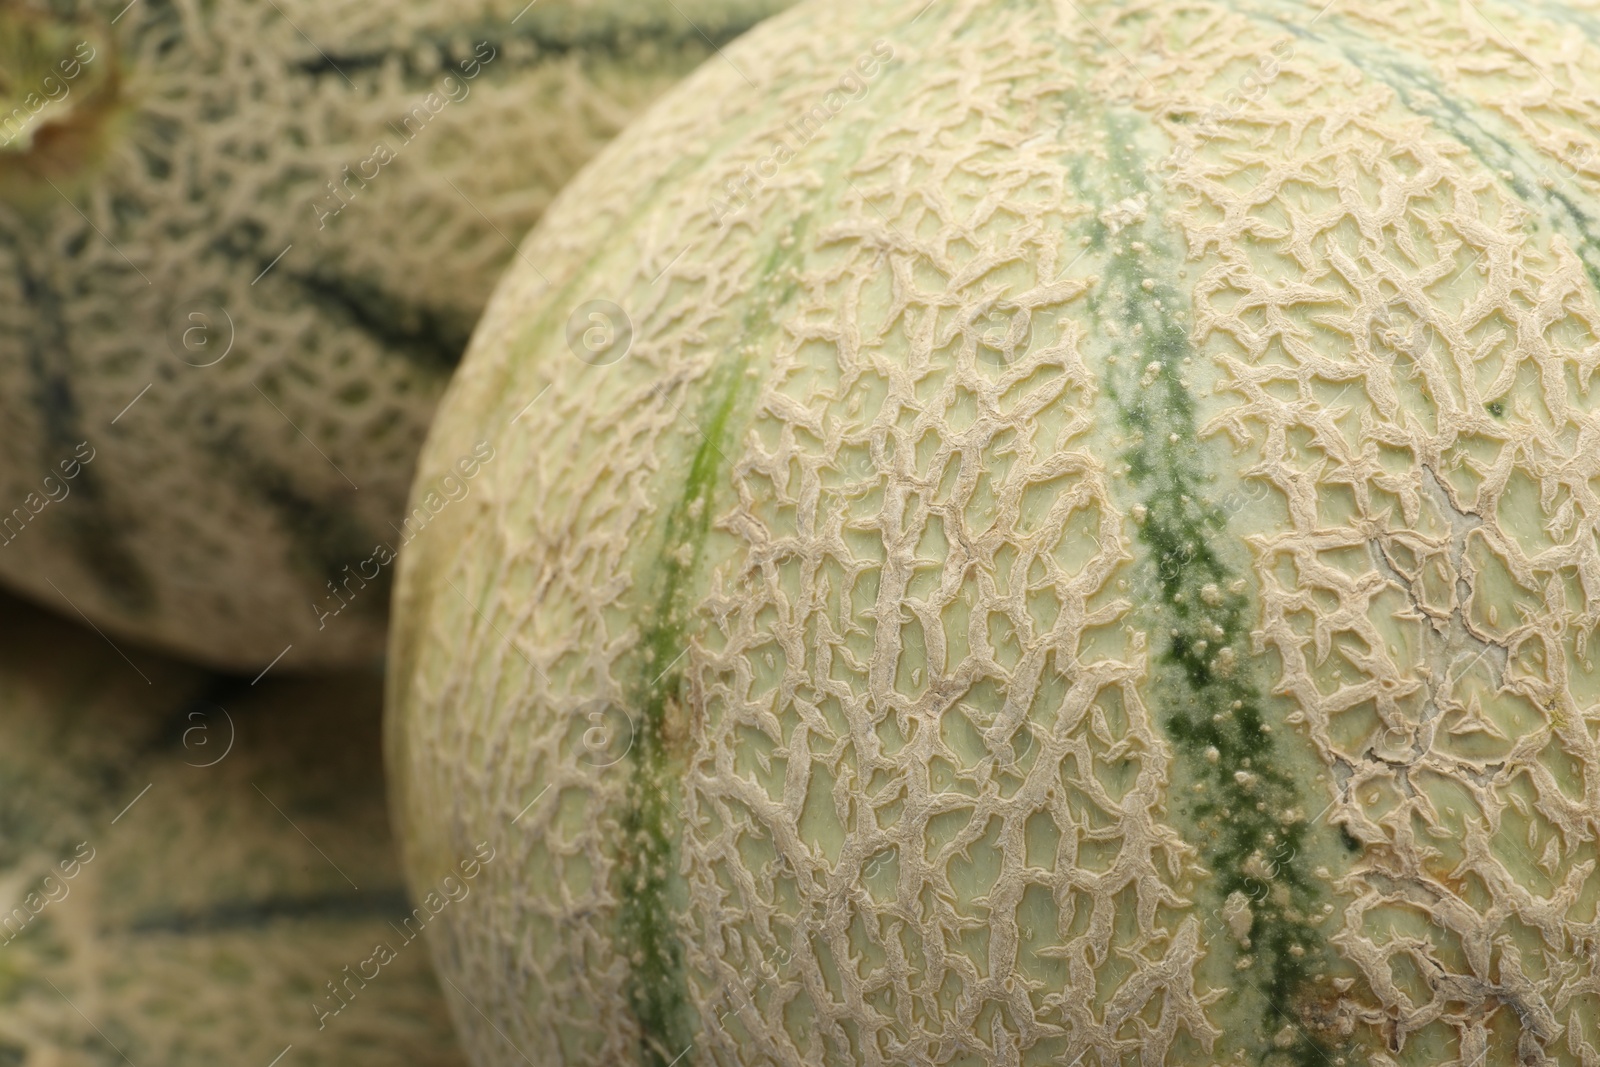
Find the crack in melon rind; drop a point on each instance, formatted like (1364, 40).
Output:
(1205, 694)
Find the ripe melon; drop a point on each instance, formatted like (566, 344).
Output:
(1082, 550)
(174, 861)
(242, 245)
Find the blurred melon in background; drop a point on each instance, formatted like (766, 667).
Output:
(180, 857)
(242, 245)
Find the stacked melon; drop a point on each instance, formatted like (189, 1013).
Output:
(1088, 554)
(241, 247)
(187, 862)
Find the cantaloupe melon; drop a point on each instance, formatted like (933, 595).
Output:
(1088, 556)
(242, 245)
(187, 862)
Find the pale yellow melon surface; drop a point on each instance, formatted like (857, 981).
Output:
(242, 245)
(209, 916)
(1091, 554)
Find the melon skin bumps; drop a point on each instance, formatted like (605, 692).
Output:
(242, 247)
(1073, 542)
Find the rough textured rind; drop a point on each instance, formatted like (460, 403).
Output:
(200, 925)
(1138, 608)
(146, 205)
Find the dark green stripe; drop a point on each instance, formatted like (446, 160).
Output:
(1187, 548)
(551, 35)
(390, 904)
(324, 536)
(657, 984)
(432, 339)
(94, 530)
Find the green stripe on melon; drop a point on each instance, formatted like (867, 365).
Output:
(201, 925)
(165, 177)
(1091, 558)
